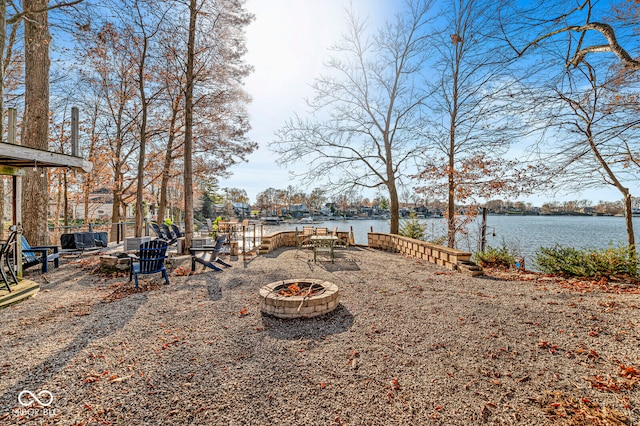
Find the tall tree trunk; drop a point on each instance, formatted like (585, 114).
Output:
(86, 193)
(623, 190)
(35, 127)
(2, 180)
(166, 170)
(188, 134)
(394, 203)
(3, 42)
(394, 208)
(631, 239)
(451, 204)
(117, 202)
(164, 184)
(143, 140)
(66, 199)
(56, 219)
(451, 201)
(88, 180)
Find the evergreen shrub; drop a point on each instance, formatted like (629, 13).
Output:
(569, 261)
(495, 257)
(412, 228)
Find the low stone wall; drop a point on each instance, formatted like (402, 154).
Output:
(443, 256)
(276, 240)
(285, 239)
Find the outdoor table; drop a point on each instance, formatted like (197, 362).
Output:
(323, 243)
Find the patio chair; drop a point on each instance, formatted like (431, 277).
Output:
(168, 232)
(322, 231)
(6, 260)
(162, 235)
(39, 255)
(302, 241)
(209, 255)
(176, 230)
(157, 230)
(340, 242)
(149, 260)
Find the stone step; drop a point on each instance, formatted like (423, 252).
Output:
(469, 268)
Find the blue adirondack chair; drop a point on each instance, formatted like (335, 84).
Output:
(39, 255)
(150, 260)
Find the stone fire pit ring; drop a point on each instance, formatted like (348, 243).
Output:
(325, 301)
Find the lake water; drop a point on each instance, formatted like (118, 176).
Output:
(522, 234)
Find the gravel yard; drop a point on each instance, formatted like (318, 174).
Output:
(409, 344)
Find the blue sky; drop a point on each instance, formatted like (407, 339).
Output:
(287, 44)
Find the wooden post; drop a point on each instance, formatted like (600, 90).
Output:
(254, 236)
(74, 131)
(483, 231)
(244, 242)
(17, 194)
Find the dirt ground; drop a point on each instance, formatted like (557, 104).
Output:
(409, 343)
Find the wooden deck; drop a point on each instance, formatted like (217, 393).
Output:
(23, 290)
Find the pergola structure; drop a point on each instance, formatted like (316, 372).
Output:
(15, 158)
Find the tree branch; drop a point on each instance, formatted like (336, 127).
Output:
(15, 18)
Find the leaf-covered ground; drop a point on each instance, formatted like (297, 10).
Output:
(410, 343)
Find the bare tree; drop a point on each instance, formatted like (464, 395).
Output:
(552, 19)
(146, 25)
(476, 104)
(215, 117)
(596, 119)
(368, 109)
(593, 116)
(194, 7)
(109, 69)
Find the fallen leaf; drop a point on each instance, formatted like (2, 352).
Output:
(119, 379)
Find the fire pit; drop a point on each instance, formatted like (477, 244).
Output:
(299, 298)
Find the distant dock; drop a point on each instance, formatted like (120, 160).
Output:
(273, 220)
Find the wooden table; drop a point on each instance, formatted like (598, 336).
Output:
(323, 243)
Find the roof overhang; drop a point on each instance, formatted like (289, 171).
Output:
(13, 157)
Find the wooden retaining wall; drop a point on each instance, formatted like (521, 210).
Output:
(440, 255)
